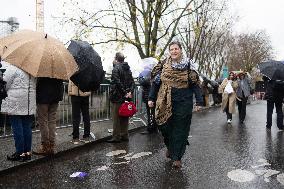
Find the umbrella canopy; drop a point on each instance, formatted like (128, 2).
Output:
(38, 54)
(90, 73)
(148, 65)
(274, 70)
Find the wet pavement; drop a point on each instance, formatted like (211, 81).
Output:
(219, 156)
(63, 137)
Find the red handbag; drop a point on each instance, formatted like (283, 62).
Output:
(127, 109)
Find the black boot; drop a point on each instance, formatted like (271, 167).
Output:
(14, 157)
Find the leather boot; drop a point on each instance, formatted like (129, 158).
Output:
(51, 148)
(42, 149)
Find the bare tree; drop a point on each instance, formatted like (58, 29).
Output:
(148, 25)
(205, 36)
(249, 50)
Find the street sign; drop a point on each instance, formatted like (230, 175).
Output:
(225, 72)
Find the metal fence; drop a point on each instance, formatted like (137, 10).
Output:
(100, 109)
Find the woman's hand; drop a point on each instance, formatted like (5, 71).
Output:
(128, 95)
(151, 104)
(198, 108)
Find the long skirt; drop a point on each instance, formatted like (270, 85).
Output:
(176, 130)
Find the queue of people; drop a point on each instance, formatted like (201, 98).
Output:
(167, 94)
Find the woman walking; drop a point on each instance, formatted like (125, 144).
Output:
(243, 92)
(175, 81)
(228, 89)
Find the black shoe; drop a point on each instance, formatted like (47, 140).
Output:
(14, 157)
(26, 157)
(113, 141)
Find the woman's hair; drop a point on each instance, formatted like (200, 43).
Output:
(175, 43)
(234, 75)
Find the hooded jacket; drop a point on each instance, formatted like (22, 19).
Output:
(121, 82)
(21, 89)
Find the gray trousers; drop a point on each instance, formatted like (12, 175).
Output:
(120, 124)
(46, 118)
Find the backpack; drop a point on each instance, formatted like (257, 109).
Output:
(3, 92)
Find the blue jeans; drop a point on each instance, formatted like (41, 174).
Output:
(22, 130)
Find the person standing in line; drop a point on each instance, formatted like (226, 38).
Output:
(3, 95)
(121, 88)
(243, 92)
(80, 103)
(49, 93)
(228, 89)
(175, 82)
(274, 97)
(20, 105)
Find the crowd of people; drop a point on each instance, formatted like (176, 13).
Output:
(168, 95)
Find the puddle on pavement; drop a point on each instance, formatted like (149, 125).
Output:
(240, 175)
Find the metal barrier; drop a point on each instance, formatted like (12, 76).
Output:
(100, 109)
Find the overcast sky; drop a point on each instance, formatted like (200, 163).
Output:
(253, 15)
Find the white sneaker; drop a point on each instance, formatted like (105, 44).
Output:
(229, 121)
(75, 141)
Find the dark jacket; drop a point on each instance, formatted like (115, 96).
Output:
(146, 85)
(121, 82)
(49, 90)
(196, 90)
(272, 93)
(244, 88)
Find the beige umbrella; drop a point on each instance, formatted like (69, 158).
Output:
(38, 54)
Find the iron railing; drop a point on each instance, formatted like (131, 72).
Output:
(100, 109)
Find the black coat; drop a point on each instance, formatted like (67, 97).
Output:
(272, 93)
(122, 82)
(49, 90)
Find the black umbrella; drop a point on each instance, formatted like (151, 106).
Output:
(274, 70)
(90, 73)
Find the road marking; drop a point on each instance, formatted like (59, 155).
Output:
(115, 153)
(102, 168)
(280, 178)
(240, 175)
(127, 155)
(263, 163)
(124, 162)
(138, 155)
